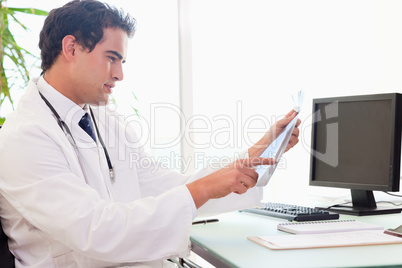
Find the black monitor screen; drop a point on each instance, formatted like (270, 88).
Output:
(356, 144)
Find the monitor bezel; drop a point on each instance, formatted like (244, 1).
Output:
(395, 156)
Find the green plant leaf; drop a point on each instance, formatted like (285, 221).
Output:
(132, 107)
(15, 53)
(5, 91)
(19, 23)
(33, 11)
(12, 50)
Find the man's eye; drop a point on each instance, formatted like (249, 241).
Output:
(112, 59)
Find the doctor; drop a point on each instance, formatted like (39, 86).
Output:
(73, 199)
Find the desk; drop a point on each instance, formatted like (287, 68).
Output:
(225, 244)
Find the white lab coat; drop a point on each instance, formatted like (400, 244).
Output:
(60, 208)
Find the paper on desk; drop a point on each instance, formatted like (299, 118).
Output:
(332, 226)
(277, 147)
(344, 239)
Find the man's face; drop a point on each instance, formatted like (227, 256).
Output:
(96, 73)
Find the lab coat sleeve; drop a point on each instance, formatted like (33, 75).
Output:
(40, 185)
(252, 198)
(163, 179)
(154, 179)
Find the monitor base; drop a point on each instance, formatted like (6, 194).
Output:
(359, 211)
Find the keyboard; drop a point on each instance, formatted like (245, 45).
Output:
(292, 212)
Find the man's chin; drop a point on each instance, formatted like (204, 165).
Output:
(101, 102)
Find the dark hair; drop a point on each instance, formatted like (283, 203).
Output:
(86, 21)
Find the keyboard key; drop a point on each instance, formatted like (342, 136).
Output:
(292, 212)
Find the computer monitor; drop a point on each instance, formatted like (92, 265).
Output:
(356, 144)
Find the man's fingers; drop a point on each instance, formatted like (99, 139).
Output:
(256, 161)
(244, 185)
(291, 112)
(298, 122)
(250, 172)
(287, 119)
(296, 132)
(253, 162)
(248, 176)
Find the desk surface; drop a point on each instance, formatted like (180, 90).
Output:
(225, 244)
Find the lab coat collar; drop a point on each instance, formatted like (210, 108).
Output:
(68, 111)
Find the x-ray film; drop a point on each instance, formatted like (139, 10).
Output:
(278, 146)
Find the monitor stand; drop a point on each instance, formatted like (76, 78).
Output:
(363, 205)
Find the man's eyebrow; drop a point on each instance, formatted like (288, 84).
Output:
(117, 54)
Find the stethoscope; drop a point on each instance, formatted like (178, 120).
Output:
(69, 135)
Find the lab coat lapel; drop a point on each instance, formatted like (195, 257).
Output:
(86, 163)
(47, 121)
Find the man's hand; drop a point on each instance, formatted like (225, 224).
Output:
(238, 177)
(274, 131)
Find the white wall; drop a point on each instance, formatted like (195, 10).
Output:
(256, 54)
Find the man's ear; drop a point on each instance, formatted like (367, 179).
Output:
(69, 46)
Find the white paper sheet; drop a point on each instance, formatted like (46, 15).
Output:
(344, 239)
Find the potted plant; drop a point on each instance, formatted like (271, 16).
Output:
(11, 52)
